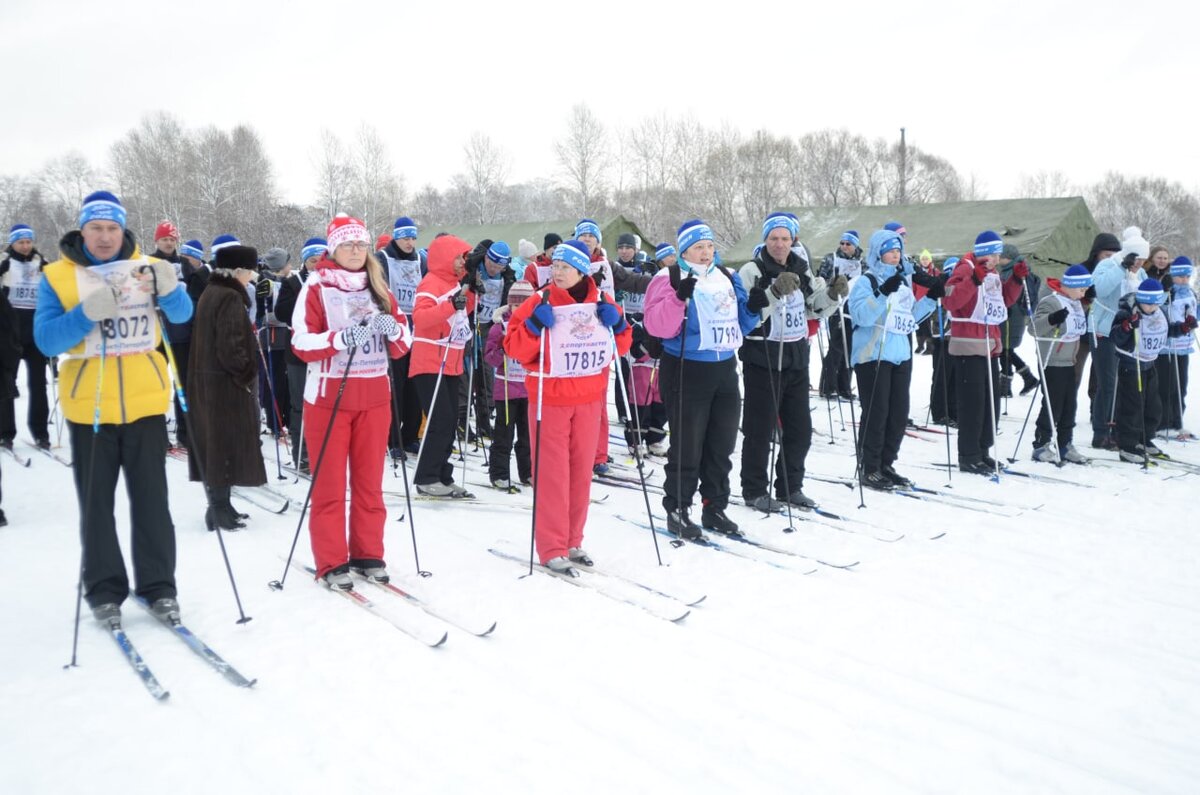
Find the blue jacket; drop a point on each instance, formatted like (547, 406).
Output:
(1109, 281)
(869, 309)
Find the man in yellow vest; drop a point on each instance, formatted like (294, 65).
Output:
(96, 309)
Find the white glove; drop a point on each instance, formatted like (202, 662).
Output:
(164, 278)
(101, 304)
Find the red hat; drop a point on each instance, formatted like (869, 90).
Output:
(344, 229)
(166, 229)
(382, 241)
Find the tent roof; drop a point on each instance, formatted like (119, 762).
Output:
(1060, 228)
(535, 231)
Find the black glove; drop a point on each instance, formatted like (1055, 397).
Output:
(598, 278)
(923, 279)
(756, 299)
(263, 288)
(1057, 318)
(936, 290)
(891, 284)
(460, 300)
(1090, 294)
(685, 289)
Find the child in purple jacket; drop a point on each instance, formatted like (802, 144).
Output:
(510, 397)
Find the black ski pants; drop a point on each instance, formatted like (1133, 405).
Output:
(406, 428)
(297, 374)
(1172, 389)
(835, 373)
(433, 464)
(976, 424)
(943, 404)
(1059, 401)
(883, 394)
(703, 407)
(512, 424)
(1139, 407)
(762, 413)
(38, 415)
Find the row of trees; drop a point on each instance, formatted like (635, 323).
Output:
(656, 171)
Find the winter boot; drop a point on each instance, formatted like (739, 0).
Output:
(1045, 454)
(107, 613)
(977, 468)
(679, 523)
(1071, 455)
(1004, 388)
(799, 500)
(220, 512)
(600, 469)
(371, 569)
(715, 519)
(166, 610)
(577, 555)
(561, 565)
(878, 481)
(1137, 456)
(338, 579)
(1030, 382)
(899, 480)
(765, 504)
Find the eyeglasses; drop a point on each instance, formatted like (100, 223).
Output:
(356, 245)
(847, 243)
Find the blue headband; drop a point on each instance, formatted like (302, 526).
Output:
(850, 236)
(223, 241)
(587, 226)
(691, 233)
(19, 232)
(1182, 266)
(192, 248)
(313, 247)
(1150, 292)
(780, 221)
(892, 243)
(405, 227)
(500, 253)
(101, 206)
(1076, 276)
(664, 250)
(574, 253)
(988, 244)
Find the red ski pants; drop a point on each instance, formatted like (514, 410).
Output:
(564, 473)
(358, 442)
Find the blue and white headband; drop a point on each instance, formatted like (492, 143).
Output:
(780, 221)
(405, 227)
(587, 226)
(664, 250)
(1150, 291)
(692, 235)
(102, 209)
(191, 249)
(313, 247)
(850, 236)
(565, 252)
(1182, 266)
(988, 244)
(1076, 276)
(223, 241)
(19, 232)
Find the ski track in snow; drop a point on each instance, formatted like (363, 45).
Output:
(1054, 651)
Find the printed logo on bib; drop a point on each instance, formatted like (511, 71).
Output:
(717, 315)
(1152, 337)
(788, 324)
(991, 296)
(579, 343)
(900, 317)
(490, 299)
(132, 330)
(24, 278)
(342, 310)
(460, 331)
(1181, 309)
(1076, 323)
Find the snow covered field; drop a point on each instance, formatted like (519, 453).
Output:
(1050, 646)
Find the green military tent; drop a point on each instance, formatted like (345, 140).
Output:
(535, 232)
(1042, 229)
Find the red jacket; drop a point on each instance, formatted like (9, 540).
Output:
(525, 346)
(313, 342)
(962, 292)
(434, 307)
(531, 270)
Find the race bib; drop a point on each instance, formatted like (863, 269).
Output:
(490, 300)
(460, 331)
(342, 310)
(543, 275)
(634, 303)
(403, 277)
(1152, 337)
(24, 278)
(850, 268)
(900, 317)
(512, 370)
(788, 324)
(717, 315)
(1076, 323)
(579, 343)
(132, 330)
(991, 295)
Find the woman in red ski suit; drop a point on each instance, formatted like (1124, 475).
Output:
(346, 325)
(572, 406)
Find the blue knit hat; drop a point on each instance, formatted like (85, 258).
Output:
(781, 221)
(574, 253)
(1182, 266)
(949, 263)
(313, 247)
(1077, 276)
(988, 244)
(757, 250)
(692, 232)
(101, 206)
(851, 236)
(897, 227)
(499, 252)
(664, 250)
(892, 242)
(223, 241)
(19, 232)
(404, 227)
(587, 226)
(192, 248)
(1150, 291)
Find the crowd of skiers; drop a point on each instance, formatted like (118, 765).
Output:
(375, 350)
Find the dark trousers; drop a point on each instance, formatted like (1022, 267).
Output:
(883, 394)
(762, 413)
(1059, 402)
(1081, 357)
(138, 450)
(434, 464)
(1172, 389)
(181, 352)
(512, 423)
(406, 428)
(619, 393)
(1104, 369)
(943, 404)
(39, 408)
(976, 424)
(1009, 361)
(273, 388)
(835, 374)
(651, 419)
(478, 384)
(1139, 408)
(297, 374)
(703, 429)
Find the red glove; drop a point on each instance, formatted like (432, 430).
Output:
(980, 272)
(1131, 322)
(1189, 323)
(1021, 270)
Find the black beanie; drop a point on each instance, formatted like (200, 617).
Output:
(553, 240)
(627, 239)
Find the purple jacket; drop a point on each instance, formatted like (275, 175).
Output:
(493, 354)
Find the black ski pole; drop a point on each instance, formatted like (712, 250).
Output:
(862, 503)
(274, 404)
(404, 467)
(637, 447)
(941, 366)
(277, 585)
(537, 441)
(777, 426)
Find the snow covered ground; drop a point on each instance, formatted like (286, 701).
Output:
(1051, 646)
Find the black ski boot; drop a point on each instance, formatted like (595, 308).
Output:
(878, 481)
(1029, 381)
(899, 480)
(714, 519)
(680, 524)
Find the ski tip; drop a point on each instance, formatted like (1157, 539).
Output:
(695, 602)
(686, 613)
(441, 641)
(487, 631)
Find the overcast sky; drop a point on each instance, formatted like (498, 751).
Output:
(997, 89)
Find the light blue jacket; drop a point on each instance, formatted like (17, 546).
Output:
(869, 309)
(1109, 281)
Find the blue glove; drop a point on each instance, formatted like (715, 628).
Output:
(542, 318)
(353, 337)
(609, 315)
